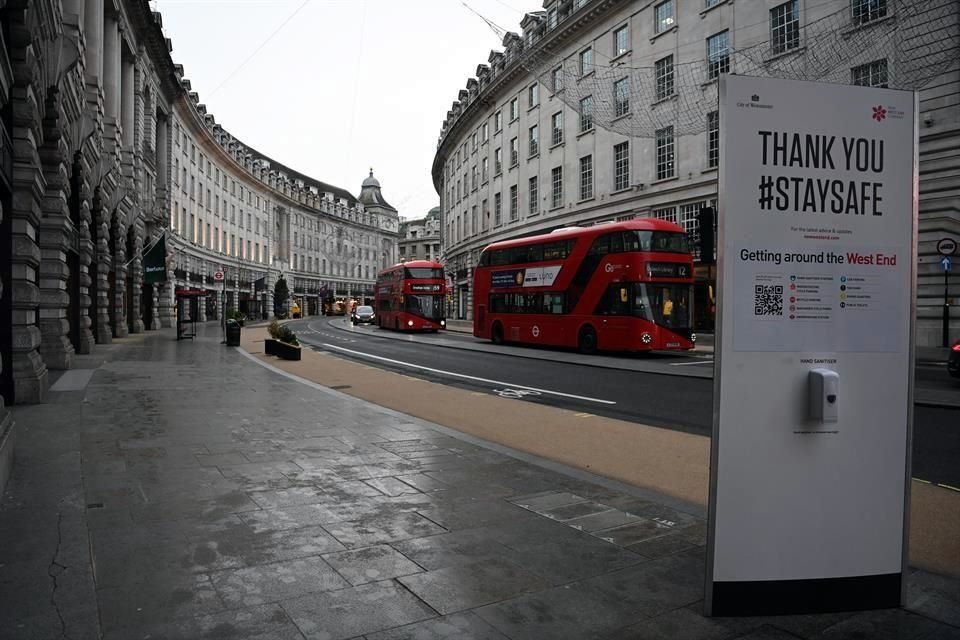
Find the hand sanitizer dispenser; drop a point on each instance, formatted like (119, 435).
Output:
(824, 388)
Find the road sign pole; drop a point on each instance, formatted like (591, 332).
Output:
(946, 307)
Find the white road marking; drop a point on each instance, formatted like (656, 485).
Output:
(466, 377)
(686, 364)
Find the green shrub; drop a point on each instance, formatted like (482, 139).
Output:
(285, 334)
(274, 330)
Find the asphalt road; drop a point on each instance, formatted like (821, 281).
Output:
(670, 401)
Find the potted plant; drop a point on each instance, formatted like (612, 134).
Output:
(283, 342)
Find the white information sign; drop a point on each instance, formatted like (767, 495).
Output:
(817, 252)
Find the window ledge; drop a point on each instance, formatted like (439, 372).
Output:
(536, 106)
(587, 132)
(590, 199)
(704, 12)
(704, 85)
(625, 116)
(622, 55)
(619, 191)
(585, 75)
(517, 119)
(554, 146)
(498, 174)
(484, 183)
(514, 166)
(532, 156)
(710, 170)
(657, 36)
(773, 57)
(663, 180)
(853, 28)
(670, 98)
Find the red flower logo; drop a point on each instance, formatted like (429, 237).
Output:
(879, 113)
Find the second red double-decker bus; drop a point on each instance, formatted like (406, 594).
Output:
(625, 286)
(411, 296)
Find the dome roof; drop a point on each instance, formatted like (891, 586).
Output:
(371, 181)
(370, 194)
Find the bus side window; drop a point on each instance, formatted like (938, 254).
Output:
(616, 242)
(630, 241)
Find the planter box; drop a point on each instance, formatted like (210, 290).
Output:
(281, 349)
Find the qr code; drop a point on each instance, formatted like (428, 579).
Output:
(767, 300)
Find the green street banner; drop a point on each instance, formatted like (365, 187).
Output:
(155, 262)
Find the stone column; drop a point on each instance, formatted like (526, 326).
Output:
(101, 222)
(56, 234)
(136, 276)
(120, 270)
(111, 67)
(29, 370)
(127, 102)
(93, 34)
(86, 257)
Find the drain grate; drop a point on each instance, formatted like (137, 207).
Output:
(95, 505)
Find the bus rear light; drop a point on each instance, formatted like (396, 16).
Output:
(955, 347)
(646, 338)
(409, 323)
(443, 323)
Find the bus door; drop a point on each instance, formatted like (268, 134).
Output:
(614, 330)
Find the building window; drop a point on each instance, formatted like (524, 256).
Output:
(785, 27)
(586, 114)
(498, 122)
(473, 142)
(485, 221)
(872, 74)
(621, 98)
(534, 140)
(498, 161)
(556, 126)
(558, 80)
(663, 69)
(514, 203)
(556, 187)
(533, 189)
(664, 153)
(621, 166)
(514, 153)
(713, 139)
(486, 167)
(552, 18)
(621, 41)
(663, 16)
(473, 177)
(471, 227)
(497, 209)
(533, 95)
(485, 131)
(718, 54)
(713, 3)
(586, 177)
(514, 109)
(865, 11)
(586, 61)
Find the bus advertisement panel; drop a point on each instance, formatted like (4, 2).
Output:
(411, 297)
(625, 286)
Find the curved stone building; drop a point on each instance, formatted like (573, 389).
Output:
(105, 150)
(518, 156)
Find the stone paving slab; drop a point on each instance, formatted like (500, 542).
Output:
(185, 492)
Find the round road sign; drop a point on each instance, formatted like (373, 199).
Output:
(947, 247)
(218, 275)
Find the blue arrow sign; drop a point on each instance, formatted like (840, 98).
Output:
(946, 263)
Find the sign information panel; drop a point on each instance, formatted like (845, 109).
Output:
(813, 386)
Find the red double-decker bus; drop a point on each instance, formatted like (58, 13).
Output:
(625, 286)
(411, 296)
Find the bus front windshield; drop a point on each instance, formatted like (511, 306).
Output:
(429, 307)
(424, 273)
(663, 241)
(667, 305)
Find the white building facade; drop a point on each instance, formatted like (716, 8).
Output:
(523, 153)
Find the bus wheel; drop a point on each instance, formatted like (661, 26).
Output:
(496, 333)
(587, 340)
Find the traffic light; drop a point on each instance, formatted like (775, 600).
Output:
(705, 219)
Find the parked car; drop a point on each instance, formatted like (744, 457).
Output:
(362, 314)
(953, 362)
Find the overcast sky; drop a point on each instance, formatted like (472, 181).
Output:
(343, 86)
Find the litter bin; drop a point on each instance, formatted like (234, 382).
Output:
(233, 333)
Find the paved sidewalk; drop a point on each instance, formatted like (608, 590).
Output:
(180, 490)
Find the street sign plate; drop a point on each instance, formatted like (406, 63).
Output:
(946, 263)
(947, 247)
(218, 275)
